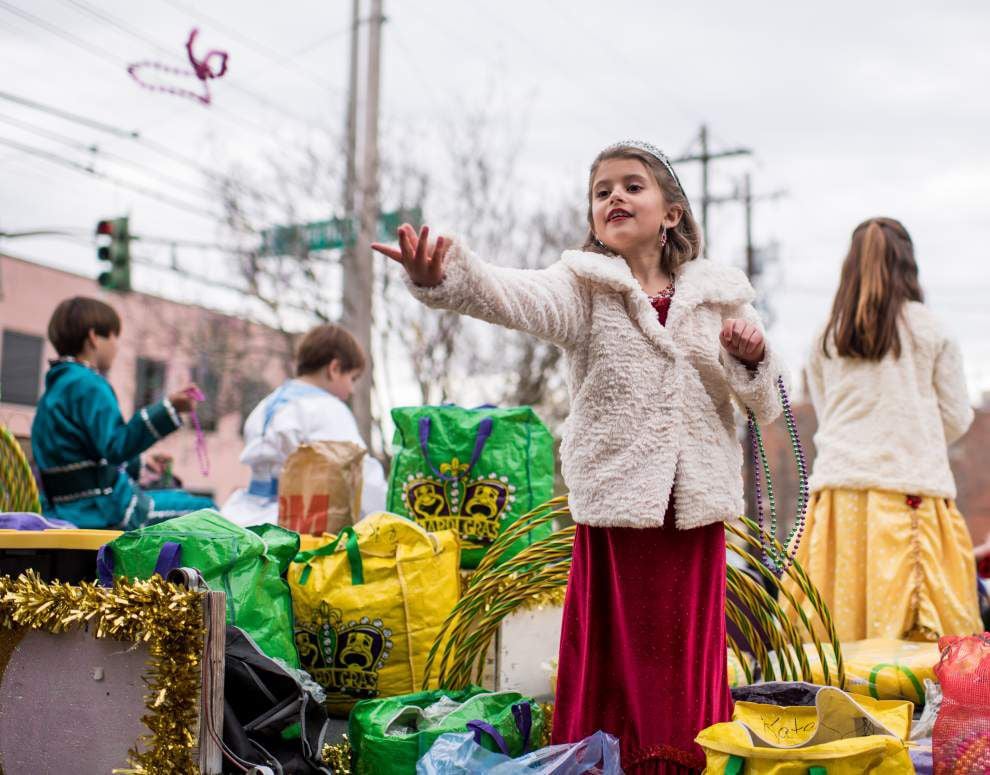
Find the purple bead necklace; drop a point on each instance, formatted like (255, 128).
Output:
(776, 560)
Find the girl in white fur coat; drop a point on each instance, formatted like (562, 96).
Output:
(884, 542)
(659, 344)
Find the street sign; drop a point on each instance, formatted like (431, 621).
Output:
(331, 234)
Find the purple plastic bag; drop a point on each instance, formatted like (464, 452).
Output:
(458, 754)
(921, 757)
(23, 520)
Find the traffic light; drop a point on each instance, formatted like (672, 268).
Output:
(117, 251)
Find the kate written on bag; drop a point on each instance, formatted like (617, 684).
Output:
(839, 735)
(473, 471)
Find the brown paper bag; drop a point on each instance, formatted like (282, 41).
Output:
(319, 490)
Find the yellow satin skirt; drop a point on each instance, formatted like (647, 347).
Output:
(889, 565)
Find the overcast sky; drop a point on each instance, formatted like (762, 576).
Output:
(854, 109)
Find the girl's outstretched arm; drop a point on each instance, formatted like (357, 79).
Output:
(548, 303)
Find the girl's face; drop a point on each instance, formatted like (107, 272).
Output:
(628, 208)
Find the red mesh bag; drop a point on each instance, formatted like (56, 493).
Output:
(961, 739)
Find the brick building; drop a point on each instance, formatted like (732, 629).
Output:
(163, 344)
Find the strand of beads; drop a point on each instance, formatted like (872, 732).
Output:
(800, 517)
(760, 460)
(204, 460)
(774, 559)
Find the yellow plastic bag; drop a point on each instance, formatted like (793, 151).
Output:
(839, 735)
(794, 725)
(883, 668)
(369, 604)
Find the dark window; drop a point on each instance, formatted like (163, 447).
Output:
(208, 379)
(20, 368)
(150, 382)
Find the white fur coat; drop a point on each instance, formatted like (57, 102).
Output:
(885, 425)
(651, 406)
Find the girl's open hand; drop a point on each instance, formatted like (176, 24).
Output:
(423, 263)
(743, 340)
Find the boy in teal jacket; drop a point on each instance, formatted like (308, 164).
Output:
(89, 458)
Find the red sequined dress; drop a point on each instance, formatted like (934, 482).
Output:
(642, 649)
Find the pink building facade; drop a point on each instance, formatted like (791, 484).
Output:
(163, 345)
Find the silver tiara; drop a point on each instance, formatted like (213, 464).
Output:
(653, 151)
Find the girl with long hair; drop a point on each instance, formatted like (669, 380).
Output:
(884, 542)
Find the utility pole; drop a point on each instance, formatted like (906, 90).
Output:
(359, 286)
(747, 198)
(349, 259)
(350, 123)
(706, 158)
(744, 194)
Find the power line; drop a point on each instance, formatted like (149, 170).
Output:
(86, 235)
(706, 157)
(54, 29)
(197, 278)
(102, 16)
(238, 120)
(94, 149)
(75, 117)
(143, 190)
(265, 50)
(136, 136)
(116, 131)
(73, 234)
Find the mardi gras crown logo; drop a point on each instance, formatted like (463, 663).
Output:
(474, 507)
(343, 657)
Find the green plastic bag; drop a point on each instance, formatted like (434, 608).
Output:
(248, 564)
(473, 471)
(388, 736)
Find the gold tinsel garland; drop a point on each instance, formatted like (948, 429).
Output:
(165, 617)
(338, 756)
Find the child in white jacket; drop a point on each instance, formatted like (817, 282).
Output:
(884, 543)
(649, 451)
(309, 408)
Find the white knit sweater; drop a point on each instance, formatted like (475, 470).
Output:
(651, 406)
(885, 424)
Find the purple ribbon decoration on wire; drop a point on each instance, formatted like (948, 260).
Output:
(201, 69)
(204, 461)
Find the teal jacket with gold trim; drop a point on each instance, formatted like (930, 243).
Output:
(87, 454)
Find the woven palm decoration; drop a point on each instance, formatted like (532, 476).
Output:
(18, 491)
(494, 591)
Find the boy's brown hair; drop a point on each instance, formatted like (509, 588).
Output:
(74, 318)
(327, 343)
(878, 276)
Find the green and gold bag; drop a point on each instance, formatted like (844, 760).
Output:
(473, 471)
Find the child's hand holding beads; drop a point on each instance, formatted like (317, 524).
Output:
(743, 341)
(184, 400)
(423, 262)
